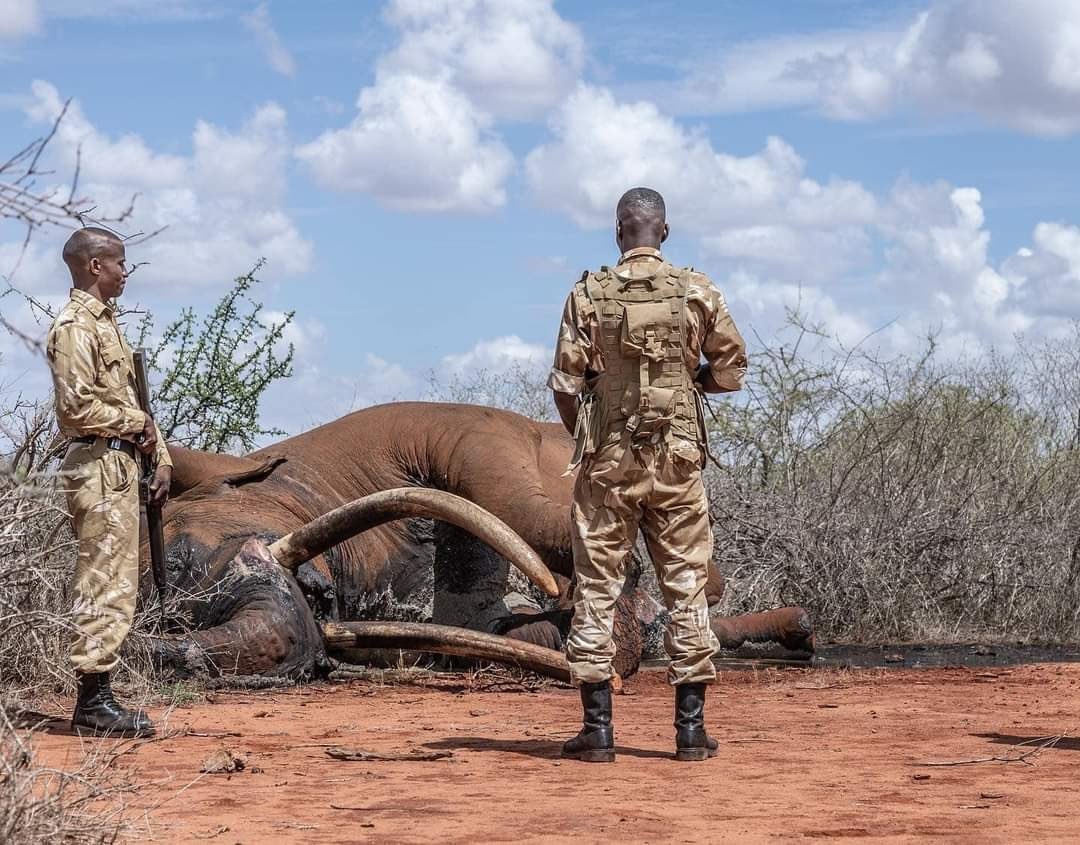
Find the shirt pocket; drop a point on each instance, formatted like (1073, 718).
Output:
(114, 363)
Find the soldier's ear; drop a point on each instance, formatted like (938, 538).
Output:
(94, 266)
(663, 237)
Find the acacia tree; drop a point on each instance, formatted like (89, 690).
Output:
(215, 370)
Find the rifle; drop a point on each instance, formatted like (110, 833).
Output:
(153, 512)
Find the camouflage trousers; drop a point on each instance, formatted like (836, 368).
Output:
(665, 496)
(103, 498)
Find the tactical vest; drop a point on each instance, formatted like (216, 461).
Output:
(645, 394)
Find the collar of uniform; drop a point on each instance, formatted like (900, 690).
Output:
(640, 252)
(90, 302)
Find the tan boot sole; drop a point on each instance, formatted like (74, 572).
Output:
(593, 755)
(694, 755)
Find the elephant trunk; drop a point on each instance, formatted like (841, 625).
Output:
(444, 639)
(365, 513)
(789, 626)
(254, 621)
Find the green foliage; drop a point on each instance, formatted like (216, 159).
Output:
(215, 370)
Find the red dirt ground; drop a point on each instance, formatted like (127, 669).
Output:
(815, 754)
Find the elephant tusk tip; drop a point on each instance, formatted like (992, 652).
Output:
(549, 586)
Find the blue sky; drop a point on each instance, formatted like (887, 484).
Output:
(428, 178)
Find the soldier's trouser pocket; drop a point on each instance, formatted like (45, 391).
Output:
(677, 532)
(604, 530)
(103, 499)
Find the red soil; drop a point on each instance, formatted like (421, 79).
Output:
(804, 754)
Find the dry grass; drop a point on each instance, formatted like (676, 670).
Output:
(905, 499)
(39, 804)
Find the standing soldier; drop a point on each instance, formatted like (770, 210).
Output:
(626, 382)
(97, 408)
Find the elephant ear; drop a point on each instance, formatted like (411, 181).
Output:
(192, 467)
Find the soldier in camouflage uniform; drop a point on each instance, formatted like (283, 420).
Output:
(97, 408)
(626, 382)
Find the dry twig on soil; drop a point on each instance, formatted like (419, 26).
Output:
(362, 756)
(1041, 744)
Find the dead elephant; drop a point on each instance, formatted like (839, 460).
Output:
(399, 555)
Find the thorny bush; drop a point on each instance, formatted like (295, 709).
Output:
(904, 498)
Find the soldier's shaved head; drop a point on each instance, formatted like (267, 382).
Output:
(88, 243)
(641, 202)
(96, 259)
(641, 219)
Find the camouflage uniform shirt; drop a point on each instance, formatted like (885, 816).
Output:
(93, 374)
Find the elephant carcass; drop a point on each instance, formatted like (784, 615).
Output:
(506, 464)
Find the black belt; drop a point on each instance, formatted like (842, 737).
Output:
(114, 443)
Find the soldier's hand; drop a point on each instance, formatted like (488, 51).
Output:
(159, 485)
(146, 441)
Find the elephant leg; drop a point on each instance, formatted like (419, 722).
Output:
(253, 620)
(789, 627)
(530, 625)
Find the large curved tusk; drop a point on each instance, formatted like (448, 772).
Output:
(338, 525)
(444, 639)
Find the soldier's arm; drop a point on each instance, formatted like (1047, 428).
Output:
(161, 451)
(567, 376)
(721, 344)
(72, 352)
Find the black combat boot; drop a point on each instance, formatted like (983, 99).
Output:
(691, 741)
(97, 713)
(595, 743)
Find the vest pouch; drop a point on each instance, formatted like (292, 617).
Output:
(648, 409)
(646, 327)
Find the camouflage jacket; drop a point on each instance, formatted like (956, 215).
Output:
(93, 374)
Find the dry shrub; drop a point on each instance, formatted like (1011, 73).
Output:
(520, 386)
(37, 557)
(37, 552)
(904, 498)
(39, 804)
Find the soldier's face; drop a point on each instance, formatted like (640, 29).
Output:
(111, 271)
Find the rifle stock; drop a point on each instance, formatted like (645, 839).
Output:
(153, 512)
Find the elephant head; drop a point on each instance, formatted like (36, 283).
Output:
(235, 547)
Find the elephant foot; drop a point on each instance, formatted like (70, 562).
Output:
(254, 621)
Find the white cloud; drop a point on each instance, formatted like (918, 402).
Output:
(259, 24)
(496, 355)
(765, 73)
(763, 303)
(760, 206)
(19, 18)
(417, 144)
(774, 238)
(1046, 275)
(424, 138)
(1011, 63)
(125, 161)
(512, 58)
(223, 206)
(251, 162)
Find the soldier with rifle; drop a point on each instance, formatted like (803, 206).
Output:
(99, 410)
